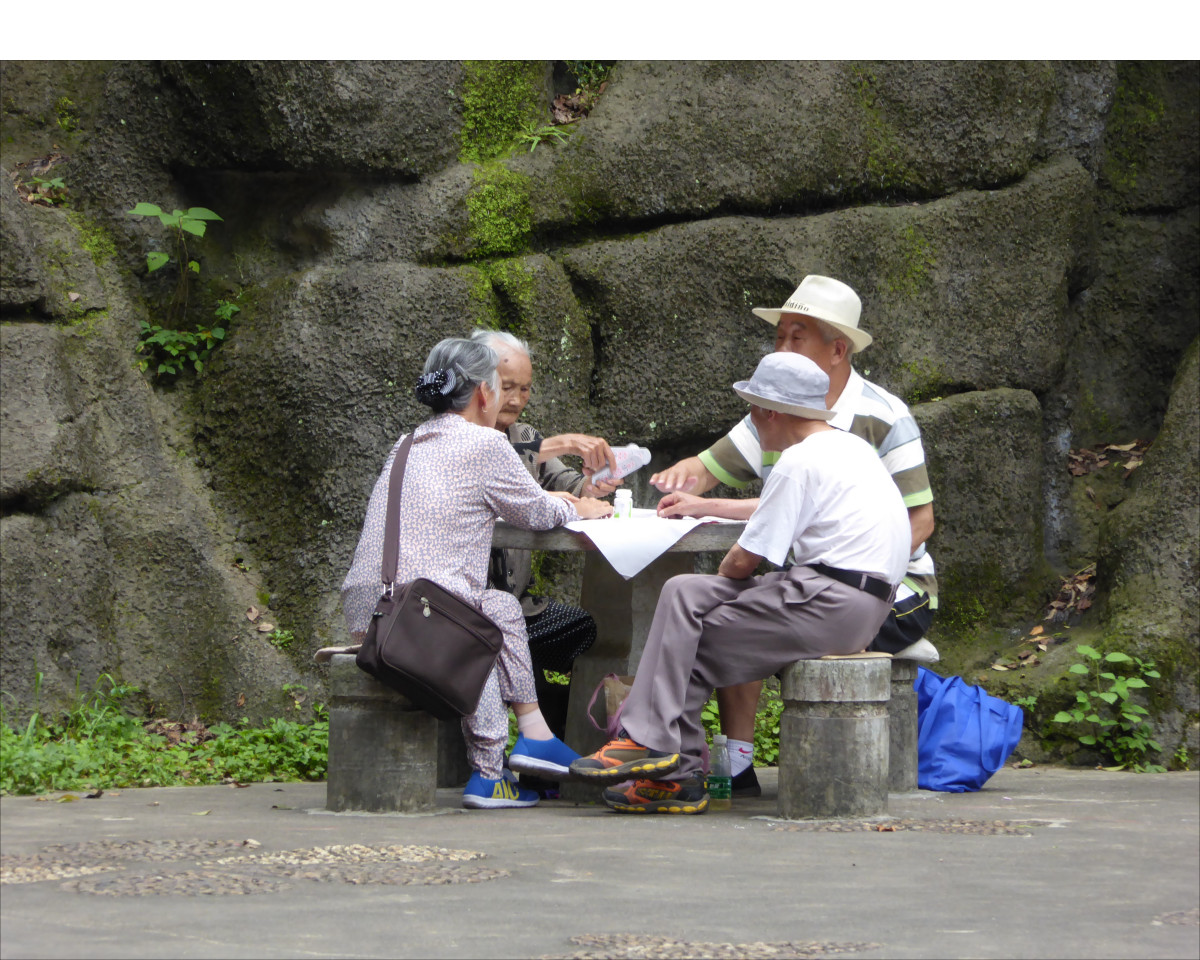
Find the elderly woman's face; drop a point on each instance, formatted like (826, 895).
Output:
(516, 379)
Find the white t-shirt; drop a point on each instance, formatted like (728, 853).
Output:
(830, 500)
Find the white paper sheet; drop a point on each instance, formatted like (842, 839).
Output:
(631, 545)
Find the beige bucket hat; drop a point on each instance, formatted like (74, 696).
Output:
(788, 383)
(825, 299)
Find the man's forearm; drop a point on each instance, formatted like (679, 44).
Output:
(920, 520)
(731, 509)
(739, 563)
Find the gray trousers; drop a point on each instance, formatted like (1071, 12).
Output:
(710, 631)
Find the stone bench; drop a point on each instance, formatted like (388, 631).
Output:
(847, 736)
(383, 750)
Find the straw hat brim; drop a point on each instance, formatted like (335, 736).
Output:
(860, 338)
(795, 410)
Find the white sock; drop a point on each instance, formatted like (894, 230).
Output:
(741, 755)
(533, 726)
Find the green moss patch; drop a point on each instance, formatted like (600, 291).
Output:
(1138, 108)
(500, 99)
(498, 212)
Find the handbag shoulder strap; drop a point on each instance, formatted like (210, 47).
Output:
(391, 531)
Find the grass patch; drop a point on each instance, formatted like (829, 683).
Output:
(99, 743)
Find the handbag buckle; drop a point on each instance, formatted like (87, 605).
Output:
(425, 607)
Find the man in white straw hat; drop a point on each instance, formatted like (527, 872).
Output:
(831, 505)
(820, 320)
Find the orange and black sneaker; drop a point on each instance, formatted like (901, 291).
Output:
(658, 796)
(621, 759)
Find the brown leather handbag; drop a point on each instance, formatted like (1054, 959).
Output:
(423, 641)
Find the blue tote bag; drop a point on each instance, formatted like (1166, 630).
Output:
(964, 734)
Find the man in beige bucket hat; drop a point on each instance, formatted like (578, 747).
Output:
(831, 506)
(820, 320)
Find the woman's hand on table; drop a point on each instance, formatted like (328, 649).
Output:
(563, 495)
(590, 508)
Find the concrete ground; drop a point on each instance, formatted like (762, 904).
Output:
(1045, 862)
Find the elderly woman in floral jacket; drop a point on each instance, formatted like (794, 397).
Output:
(462, 475)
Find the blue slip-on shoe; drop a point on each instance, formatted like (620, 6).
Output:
(551, 758)
(480, 793)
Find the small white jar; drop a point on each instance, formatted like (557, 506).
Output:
(623, 504)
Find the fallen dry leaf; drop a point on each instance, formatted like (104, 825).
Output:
(241, 700)
(265, 627)
(1036, 630)
(252, 614)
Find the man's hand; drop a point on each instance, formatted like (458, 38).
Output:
(595, 451)
(592, 509)
(689, 505)
(739, 563)
(690, 475)
(683, 505)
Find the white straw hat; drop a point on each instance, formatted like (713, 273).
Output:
(789, 383)
(825, 299)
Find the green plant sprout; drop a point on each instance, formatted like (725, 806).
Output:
(1118, 727)
(281, 639)
(193, 221)
(535, 134)
(49, 191)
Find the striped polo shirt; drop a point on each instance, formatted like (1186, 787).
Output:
(869, 412)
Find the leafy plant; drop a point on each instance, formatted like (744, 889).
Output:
(173, 350)
(1028, 703)
(194, 221)
(766, 726)
(48, 191)
(1118, 727)
(225, 310)
(589, 74)
(98, 743)
(281, 640)
(534, 134)
(182, 224)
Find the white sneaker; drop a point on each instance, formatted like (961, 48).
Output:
(922, 652)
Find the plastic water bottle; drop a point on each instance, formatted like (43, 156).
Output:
(623, 504)
(720, 776)
(630, 457)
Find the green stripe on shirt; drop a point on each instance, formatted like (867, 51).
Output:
(722, 475)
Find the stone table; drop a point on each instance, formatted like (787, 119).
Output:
(622, 609)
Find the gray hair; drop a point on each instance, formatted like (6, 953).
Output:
(829, 333)
(500, 338)
(453, 369)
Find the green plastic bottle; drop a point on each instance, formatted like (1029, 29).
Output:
(720, 777)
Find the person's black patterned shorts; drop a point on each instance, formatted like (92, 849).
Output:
(558, 635)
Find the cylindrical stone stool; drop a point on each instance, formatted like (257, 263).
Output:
(382, 750)
(902, 728)
(833, 738)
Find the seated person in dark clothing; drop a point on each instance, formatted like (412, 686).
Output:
(558, 632)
